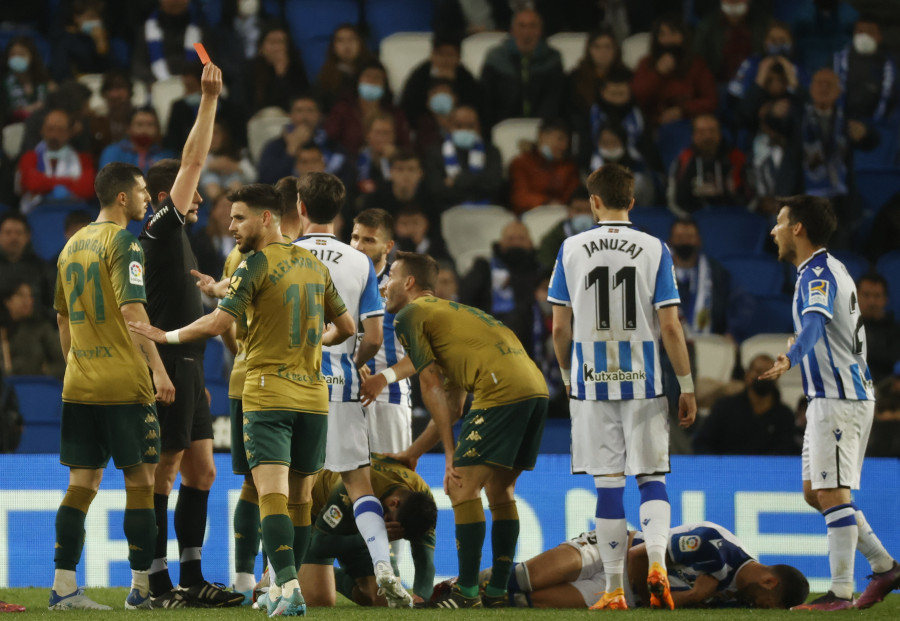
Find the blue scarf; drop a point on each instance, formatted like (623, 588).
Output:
(824, 157)
(476, 160)
(633, 124)
(154, 36)
(364, 166)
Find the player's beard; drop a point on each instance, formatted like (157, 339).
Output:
(248, 243)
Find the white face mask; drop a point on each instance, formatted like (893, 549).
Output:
(734, 10)
(864, 43)
(612, 155)
(247, 8)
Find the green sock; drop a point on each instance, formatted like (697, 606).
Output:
(278, 536)
(301, 543)
(504, 535)
(69, 537)
(140, 531)
(246, 535)
(469, 539)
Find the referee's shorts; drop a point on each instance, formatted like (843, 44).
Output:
(188, 417)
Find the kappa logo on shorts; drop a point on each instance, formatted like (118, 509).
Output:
(150, 452)
(837, 434)
(246, 437)
(136, 273)
(333, 516)
(471, 453)
(689, 543)
(150, 418)
(474, 436)
(151, 435)
(478, 420)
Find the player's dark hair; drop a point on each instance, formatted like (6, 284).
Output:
(114, 178)
(404, 154)
(421, 267)
(875, 278)
(323, 194)
(375, 218)
(287, 189)
(259, 197)
(793, 587)
(815, 213)
(614, 184)
(161, 178)
(77, 217)
(417, 514)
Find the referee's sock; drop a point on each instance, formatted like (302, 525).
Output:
(190, 528)
(611, 529)
(369, 516)
(469, 518)
(160, 582)
(504, 535)
(870, 545)
(656, 514)
(843, 534)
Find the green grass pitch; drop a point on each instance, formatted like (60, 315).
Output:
(36, 602)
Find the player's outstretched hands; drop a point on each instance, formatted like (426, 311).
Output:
(209, 285)
(165, 389)
(371, 385)
(405, 458)
(145, 329)
(778, 369)
(687, 409)
(211, 80)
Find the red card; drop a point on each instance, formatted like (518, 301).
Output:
(201, 52)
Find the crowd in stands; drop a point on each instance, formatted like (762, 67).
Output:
(718, 106)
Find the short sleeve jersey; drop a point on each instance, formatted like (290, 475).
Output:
(390, 353)
(614, 278)
(474, 350)
(836, 367)
(704, 548)
(173, 299)
(354, 277)
(100, 269)
(239, 369)
(286, 294)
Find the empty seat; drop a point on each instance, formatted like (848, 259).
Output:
(731, 230)
(475, 48)
(311, 24)
(570, 45)
(40, 403)
(714, 356)
(656, 221)
(47, 222)
(771, 313)
(672, 139)
(12, 139)
(541, 219)
(634, 48)
(468, 228)
(214, 360)
(877, 185)
(162, 94)
(856, 265)
(508, 135)
(756, 274)
(262, 128)
(402, 52)
(386, 17)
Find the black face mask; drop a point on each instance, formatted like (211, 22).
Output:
(764, 388)
(676, 50)
(516, 258)
(406, 244)
(684, 251)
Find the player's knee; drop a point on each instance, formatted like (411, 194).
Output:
(811, 497)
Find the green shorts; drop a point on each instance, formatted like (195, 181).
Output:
(285, 437)
(91, 434)
(508, 436)
(350, 551)
(239, 463)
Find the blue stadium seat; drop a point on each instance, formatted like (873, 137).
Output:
(385, 17)
(218, 390)
(671, 139)
(47, 223)
(885, 154)
(731, 230)
(889, 267)
(311, 24)
(655, 221)
(771, 313)
(876, 186)
(856, 265)
(214, 360)
(40, 403)
(757, 274)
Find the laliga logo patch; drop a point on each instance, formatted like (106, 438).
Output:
(818, 292)
(689, 543)
(136, 273)
(333, 516)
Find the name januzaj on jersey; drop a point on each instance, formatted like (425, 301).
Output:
(622, 245)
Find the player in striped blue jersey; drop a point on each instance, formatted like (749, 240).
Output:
(830, 347)
(390, 415)
(614, 296)
(347, 447)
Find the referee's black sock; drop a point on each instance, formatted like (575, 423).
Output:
(190, 527)
(160, 582)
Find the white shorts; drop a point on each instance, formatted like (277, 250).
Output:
(609, 437)
(347, 447)
(834, 444)
(591, 582)
(390, 427)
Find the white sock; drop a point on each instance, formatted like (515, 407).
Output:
(140, 580)
(288, 588)
(655, 516)
(523, 577)
(244, 581)
(869, 544)
(64, 582)
(842, 537)
(159, 564)
(190, 554)
(611, 529)
(369, 515)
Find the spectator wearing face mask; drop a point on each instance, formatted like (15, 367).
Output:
(432, 126)
(83, 46)
(546, 174)
(726, 38)
(752, 422)
(612, 146)
(142, 145)
(870, 69)
(778, 46)
(578, 219)
(463, 169)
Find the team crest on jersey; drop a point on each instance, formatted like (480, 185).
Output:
(333, 516)
(689, 543)
(321, 242)
(136, 273)
(818, 292)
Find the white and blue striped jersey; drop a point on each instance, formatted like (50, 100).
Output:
(836, 367)
(354, 278)
(615, 279)
(391, 353)
(705, 548)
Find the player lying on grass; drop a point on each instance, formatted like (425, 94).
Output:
(707, 565)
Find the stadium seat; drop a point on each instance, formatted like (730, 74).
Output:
(12, 139)
(731, 230)
(885, 153)
(772, 344)
(475, 48)
(468, 228)
(771, 313)
(634, 48)
(856, 265)
(541, 219)
(162, 94)
(311, 24)
(714, 356)
(387, 17)
(466, 259)
(214, 360)
(570, 45)
(47, 222)
(757, 274)
(656, 221)
(672, 139)
(507, 136)
(889, 267)
(876, 186)
(40, 403)
(262, 127)
(218, 390)
(402, 52)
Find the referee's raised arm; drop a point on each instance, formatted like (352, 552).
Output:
(196, 148)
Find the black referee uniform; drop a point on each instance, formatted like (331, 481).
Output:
(173, 301)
